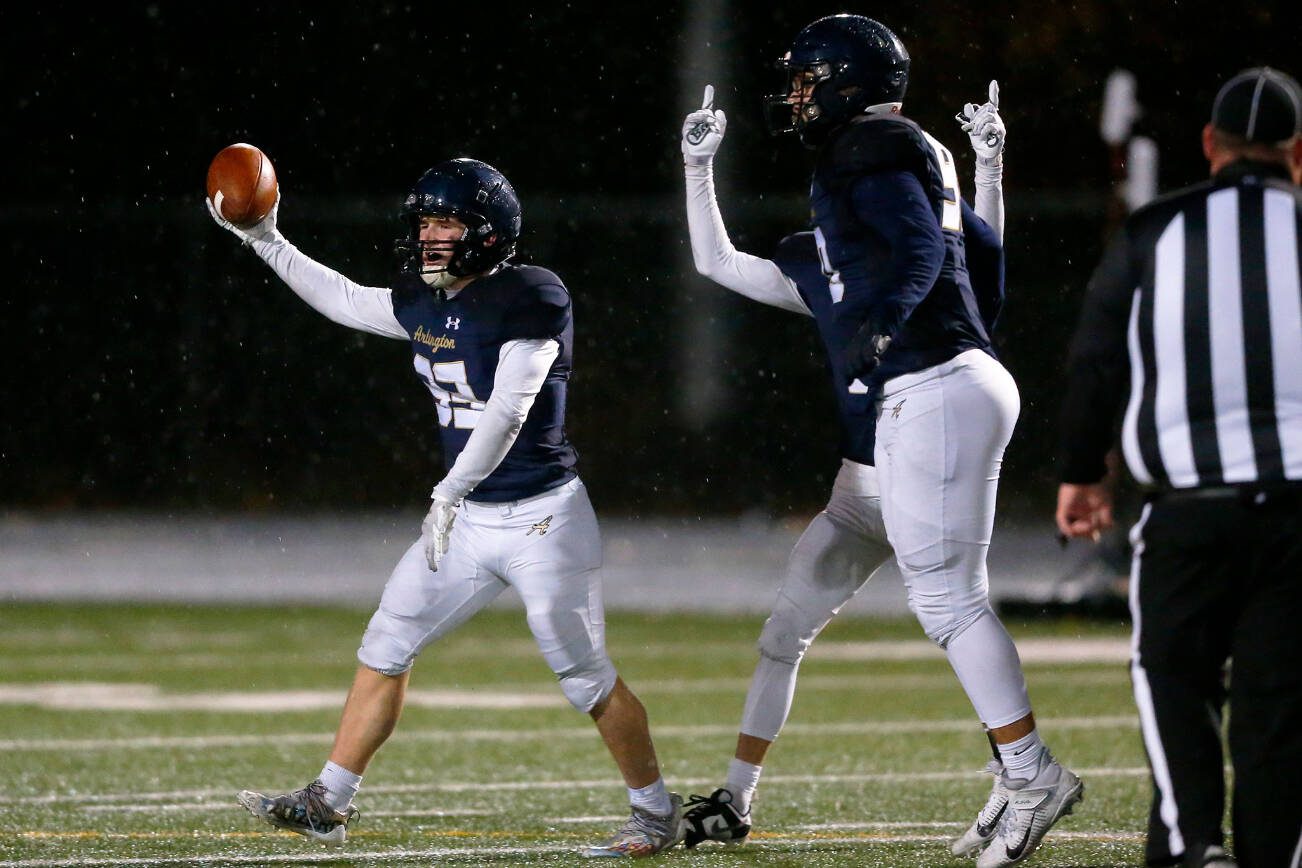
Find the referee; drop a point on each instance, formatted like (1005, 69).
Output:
(1193, 323)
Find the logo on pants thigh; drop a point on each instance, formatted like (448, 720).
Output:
(542, 527)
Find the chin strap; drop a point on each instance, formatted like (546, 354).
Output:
(438, 279)
(884, 108)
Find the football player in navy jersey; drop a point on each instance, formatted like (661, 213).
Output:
(492, 341)
(906, 326)
(847, 541)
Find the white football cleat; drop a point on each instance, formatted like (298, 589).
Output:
(983, 828)
(1033, 807)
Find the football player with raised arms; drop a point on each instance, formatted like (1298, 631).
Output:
(492, 341)
(896, 258)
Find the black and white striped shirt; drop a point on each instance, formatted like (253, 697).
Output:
(1193, 321)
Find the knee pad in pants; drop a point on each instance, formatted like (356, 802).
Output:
(384, 648)
(942, 618)
(587, 684)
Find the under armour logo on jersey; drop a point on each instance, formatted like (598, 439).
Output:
(542, 527)
(454, 322)
(895, 411)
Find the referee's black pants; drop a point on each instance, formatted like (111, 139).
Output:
(1216, 597)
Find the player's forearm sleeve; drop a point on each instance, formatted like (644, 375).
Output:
(893, 206)
(522, 367)
(988, 199)
(716, 258)
(1098, 368)
(365, 308)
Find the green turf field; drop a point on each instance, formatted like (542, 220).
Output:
(125, 732)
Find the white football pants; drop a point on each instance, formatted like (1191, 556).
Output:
(941, 434)
(547, 547)
(832, 560)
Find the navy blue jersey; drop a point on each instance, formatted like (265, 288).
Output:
(801, 260)
(456, 344)
(985, 267)
(884, 198)
(798, 258)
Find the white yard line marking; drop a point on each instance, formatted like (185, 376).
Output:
(834, 827)
(95, 696)
(119, 696)
(183, 797)
(181, 807)
(352, 857)
(524, 735)
(771, 841)
(1033, 651)
(1102, 649)
(882, 727)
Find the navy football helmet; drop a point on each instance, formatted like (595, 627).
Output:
(851, 62)
(474, 193)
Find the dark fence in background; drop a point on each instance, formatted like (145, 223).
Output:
(185, 375)
(153, 364)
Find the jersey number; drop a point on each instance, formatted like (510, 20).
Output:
(833, 276)
(456, 402)
(951, 216)
(836, 288)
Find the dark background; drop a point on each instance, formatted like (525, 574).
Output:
(152, 363)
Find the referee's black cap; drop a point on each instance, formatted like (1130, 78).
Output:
(1259, 105)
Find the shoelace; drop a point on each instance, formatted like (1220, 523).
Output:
(697, 802)
(646, 823)
(309, 806)
(998, 796)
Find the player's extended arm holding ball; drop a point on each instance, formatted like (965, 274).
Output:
(492, 341)
(521, 370)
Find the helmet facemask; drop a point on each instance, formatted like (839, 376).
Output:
(798, 105)
(838, 68)
(481, 199)
(442, 262)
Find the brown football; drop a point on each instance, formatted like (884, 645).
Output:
(242, 184)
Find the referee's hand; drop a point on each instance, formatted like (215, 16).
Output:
(1084, 511)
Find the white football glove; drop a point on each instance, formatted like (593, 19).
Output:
(984, 127)
(264, 230)
(437, 528)
(703, 131)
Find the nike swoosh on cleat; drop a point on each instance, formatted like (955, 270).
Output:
(1015, 853)
(716, 825)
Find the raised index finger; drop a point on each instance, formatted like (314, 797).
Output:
(994, 93)
(708, 102)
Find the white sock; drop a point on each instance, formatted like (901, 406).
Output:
(1021, 758)
(743, 778)
(341, 785)
(653, 798)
